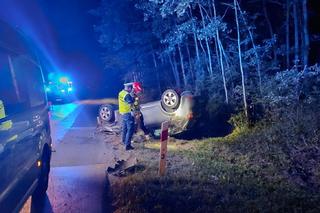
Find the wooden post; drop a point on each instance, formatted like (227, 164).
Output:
(163, 147)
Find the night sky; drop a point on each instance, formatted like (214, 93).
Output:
(64, 31)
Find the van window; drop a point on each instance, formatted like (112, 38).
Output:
(32, 77)
(13, 92)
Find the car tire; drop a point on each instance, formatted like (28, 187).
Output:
(107, 113)
(170, 100)
(43, 181)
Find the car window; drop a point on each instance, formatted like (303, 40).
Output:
(13, 93)
(30, 73)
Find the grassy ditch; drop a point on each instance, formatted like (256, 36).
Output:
(269, 168)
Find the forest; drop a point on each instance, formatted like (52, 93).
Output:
(251, 64)
(235, 51)
(230, 53)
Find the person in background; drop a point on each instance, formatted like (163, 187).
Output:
(137, 90)
(126, 100)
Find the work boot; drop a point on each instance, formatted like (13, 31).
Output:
(129, 147)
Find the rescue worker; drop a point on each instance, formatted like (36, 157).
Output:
(126, 100)
(137, 90)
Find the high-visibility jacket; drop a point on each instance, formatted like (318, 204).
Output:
(7, 124)
(2, 112)
(124, 107)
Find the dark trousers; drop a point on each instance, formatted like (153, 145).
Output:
(127, 128)
(140, 123)
(142, 126)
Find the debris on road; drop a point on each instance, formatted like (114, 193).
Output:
(124, 168)
(124, 163)
(109, 129)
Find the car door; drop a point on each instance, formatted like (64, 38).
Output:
(37, 102)
(18, 141)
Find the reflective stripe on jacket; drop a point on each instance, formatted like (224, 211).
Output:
(124, 107)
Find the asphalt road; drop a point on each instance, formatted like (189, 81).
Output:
(78, 181)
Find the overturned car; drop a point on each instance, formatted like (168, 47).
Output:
(173, 106)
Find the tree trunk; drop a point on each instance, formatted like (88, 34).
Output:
(174, 70)
(288, 34)
(196, 45)
(305, 33)
(171, 64)
(265, 12)
(223, 74)
(220, 56)
(216, 45)
(182, 67)
(190, 63)
(156, 70)
(240, 59)
(207, 44)
(253, 45)
(227, 61)
(195, 37)
(205, 53)
(296, 33)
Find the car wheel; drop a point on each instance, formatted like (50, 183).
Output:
(170, 100)
(42, 187)
(106, 113)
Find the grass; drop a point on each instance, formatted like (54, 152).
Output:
(269, 168)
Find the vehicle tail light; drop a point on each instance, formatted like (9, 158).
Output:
(189, 98)
(190, 116)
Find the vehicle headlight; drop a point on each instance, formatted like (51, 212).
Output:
(63, 91)
(70, 89)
